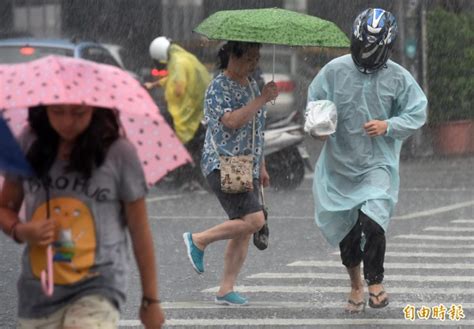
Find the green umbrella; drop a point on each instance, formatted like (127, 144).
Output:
(274, 26)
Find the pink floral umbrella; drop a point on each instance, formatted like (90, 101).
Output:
(65, 80)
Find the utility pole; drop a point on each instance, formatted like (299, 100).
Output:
(6, 23)
(412, 42)
(424, 49)
(414, 49)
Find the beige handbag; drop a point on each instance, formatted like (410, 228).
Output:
(237, 170)
(236, 173)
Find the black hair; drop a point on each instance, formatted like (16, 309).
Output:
(89, 149)
(236, 48)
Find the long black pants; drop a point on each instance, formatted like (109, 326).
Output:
(371, 252)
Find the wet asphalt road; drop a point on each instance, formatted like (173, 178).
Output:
(299, 282)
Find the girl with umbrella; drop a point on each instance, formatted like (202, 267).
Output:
(90, 181)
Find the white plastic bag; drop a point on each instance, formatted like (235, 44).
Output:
(321, 118)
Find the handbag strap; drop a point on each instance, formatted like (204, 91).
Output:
(253, 120)
(262, 195)
(253, 126)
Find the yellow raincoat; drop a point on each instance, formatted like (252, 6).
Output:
(185, 86)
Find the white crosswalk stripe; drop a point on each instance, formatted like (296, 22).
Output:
(435, 237)
(288, 305)
(304, 289)
(443, 274)
(389, 265)
(394, 245)
(449, 229)
(341, 276)
(463, 221)
(426, 254)
(258, 323)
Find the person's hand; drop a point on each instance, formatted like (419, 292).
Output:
(152, 316)
(270, 91)
(264, 177)
(39, 232)
(179, 90)
(376, 128)
(148, 85)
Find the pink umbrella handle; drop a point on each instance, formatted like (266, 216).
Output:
(47, 282)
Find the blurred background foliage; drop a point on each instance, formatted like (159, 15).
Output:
(450, 65)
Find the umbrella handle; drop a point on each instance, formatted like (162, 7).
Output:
(47, 282)
(273, 72)
(273, 66)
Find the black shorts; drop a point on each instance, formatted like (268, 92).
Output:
(236, 205)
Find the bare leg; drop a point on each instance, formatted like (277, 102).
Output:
(234, 257)
(230, 229)
(238, 232)
(357, 290)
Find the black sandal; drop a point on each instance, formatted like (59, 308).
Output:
(383, 302)
(358, 307)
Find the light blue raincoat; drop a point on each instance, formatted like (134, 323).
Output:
(355, 171)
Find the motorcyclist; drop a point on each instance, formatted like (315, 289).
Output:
(184, 88)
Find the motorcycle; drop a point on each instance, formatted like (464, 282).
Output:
(189, 176)
(286, 159)
(285, 155)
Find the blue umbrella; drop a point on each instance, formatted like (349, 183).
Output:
(12, 159)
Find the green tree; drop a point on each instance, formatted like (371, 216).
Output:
(450, 65)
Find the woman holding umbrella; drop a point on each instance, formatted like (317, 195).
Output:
(232, 102)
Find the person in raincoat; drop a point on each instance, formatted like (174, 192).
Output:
(356, 181)
(184, 88)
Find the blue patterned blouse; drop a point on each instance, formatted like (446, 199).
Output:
(226, 95)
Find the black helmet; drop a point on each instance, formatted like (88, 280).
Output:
(373, 35)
